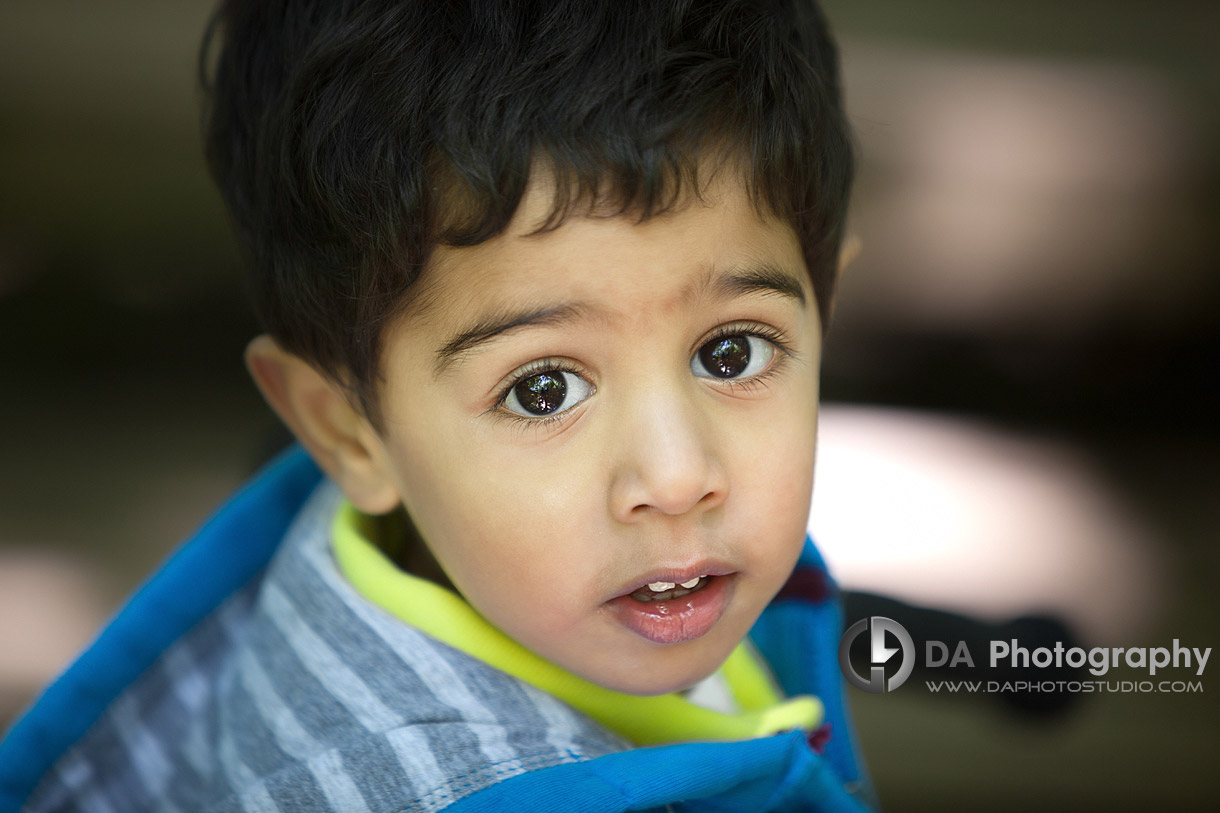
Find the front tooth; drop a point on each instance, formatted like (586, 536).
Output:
(688, 585)
(660, 587)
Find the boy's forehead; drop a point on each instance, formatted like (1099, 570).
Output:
(706, 236)
(597, 273)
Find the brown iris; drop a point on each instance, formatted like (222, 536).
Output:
(726, 357)
(542, 393)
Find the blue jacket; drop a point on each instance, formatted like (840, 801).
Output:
(797, 635)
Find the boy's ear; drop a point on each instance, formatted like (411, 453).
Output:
(316, 409)
(849, 251)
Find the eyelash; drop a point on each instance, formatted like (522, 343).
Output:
(783, 352)
(539, 366)
(783, 349)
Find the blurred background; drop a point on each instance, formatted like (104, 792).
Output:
(1023, 377)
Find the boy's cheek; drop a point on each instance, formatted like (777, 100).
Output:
(475, 512)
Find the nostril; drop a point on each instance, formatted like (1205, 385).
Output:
(677, 502)
(665, 477)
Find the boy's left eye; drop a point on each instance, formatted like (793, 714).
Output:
(546, 392)
(739, 355)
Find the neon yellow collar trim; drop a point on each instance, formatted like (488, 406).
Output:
(444, 615)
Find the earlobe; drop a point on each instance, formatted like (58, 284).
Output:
(317, 410)
(850, 250)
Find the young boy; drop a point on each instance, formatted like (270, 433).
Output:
(544, 288)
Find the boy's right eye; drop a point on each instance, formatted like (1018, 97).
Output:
(546, 392)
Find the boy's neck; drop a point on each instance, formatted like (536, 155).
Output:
(395, 534)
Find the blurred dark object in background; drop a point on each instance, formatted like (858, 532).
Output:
(926, 624)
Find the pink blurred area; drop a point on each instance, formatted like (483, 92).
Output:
(942, 511)
(50, 608)
(1006, 194)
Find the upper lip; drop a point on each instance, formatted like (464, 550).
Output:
(676, 575)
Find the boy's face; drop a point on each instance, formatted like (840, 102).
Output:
(574, 415)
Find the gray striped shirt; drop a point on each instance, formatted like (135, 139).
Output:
(298, 694)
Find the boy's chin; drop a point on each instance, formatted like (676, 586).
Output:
(656, 678)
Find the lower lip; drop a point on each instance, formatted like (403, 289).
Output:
(674, 621)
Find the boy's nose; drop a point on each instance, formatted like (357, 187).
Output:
(666, 461)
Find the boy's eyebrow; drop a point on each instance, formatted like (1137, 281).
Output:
(763, 278)
(490, 327)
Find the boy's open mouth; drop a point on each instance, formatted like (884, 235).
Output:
(666, 612)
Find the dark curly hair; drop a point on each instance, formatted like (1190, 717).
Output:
(350, 137)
